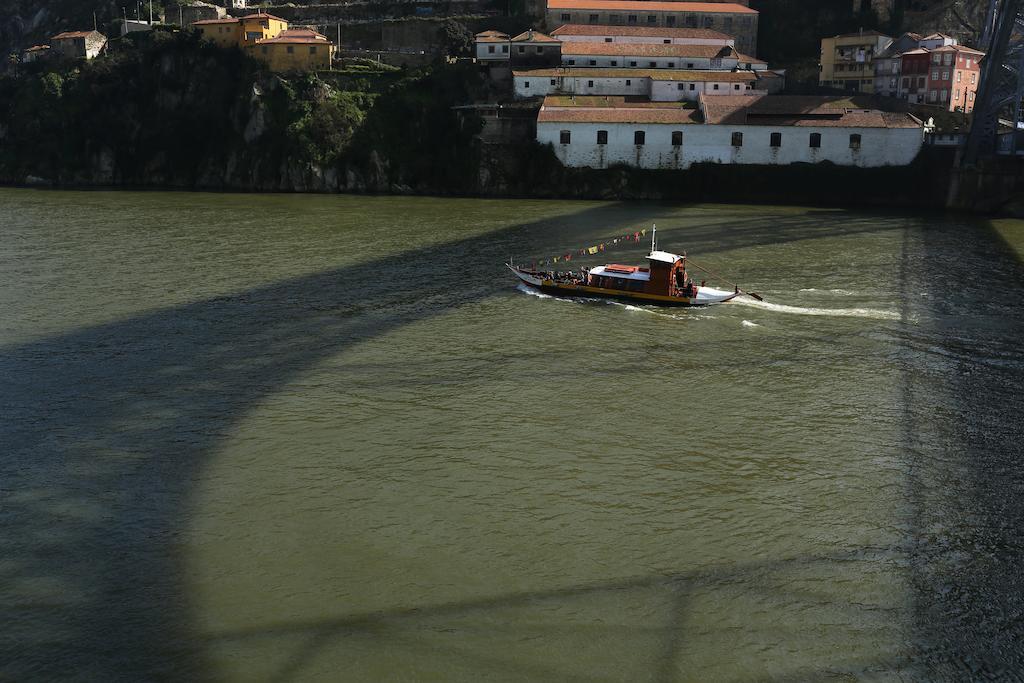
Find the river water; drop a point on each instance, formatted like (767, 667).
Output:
(276, 438)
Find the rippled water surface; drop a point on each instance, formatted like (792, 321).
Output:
(277, 438)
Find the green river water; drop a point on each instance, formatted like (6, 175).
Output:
(283, 438)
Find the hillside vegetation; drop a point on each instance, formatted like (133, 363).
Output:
(174, 112)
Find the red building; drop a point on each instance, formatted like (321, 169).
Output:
(913, 85)
(954, 72)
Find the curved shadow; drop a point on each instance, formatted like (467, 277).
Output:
(106, 429)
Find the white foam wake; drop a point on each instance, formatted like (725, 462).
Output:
(873, 313)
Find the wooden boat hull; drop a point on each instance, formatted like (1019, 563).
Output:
(705, 295)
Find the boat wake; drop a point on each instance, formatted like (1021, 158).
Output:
(872, 313)
(608, 302)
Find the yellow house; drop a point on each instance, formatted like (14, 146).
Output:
(300, 49)
(243, 32)
(847, 61)
(222, 32)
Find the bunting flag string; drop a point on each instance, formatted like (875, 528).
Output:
(634, 237)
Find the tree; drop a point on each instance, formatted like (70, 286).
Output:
(457, 39)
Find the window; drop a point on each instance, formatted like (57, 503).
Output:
(677, 138)
(671, 65)
(691, 20)
(937, 58)
(571, 62)
(855, 141)
(602, 137)
(737, 139)
(709, 22)
(638, 137)
(564, 137)
(504, 48)
(943, 95)
(631, 19)
(670, 21)
(554, 82)
(736, 86)
(689, 65)
(959, 76)
(973, 78)
(840, 67)
(653, 65)
(565, 17)
(590, 84)
(680, 86)
(957, 95)
(629, 82)
(776, 140)
(652, 19)
(895, 67)
(667, 41)
(933, 95)
(490, 49)
(526, 84)
(947, 59)
(594, 18)
(540, 50)
(632, 63)
(906, 83)
(945, 75)
(693, 86)
(522, 49)
(716, 63)
(607, 40)
(920, 82)
(615, 62)
(312, 49)
(291, 49)
(815, 142)
(716, 86)
(593, 62)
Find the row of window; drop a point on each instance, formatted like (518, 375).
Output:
(639, 138)
(691, 20)
(629, 82)
(290, 49)
(715, 63)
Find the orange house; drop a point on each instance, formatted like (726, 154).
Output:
(299, 49)
(241, 32)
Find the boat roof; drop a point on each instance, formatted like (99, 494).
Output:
(635, 275)
(664, 256)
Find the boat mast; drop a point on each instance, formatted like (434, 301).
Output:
(654, 235)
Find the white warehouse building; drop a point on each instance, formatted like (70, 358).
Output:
(586, 33)
(658, 85)
(597, 132)
(656, 56)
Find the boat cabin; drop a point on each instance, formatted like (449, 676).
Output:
(665, 275)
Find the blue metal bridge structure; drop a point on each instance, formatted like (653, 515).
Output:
(1001, 89)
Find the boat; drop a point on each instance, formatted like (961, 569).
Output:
(665, 281)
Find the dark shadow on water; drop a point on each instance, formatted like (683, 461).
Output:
(105, 431)
(963, 365)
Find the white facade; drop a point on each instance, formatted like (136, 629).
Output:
(657, 90)
(641, 62)
(714, 143)
(492, 51)
(646, 40)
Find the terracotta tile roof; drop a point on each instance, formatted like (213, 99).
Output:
(73, 34)
(795, 110)
(296, 36)
(652, 5)
(642, 31)
(38, 48)
(532, 36)
(613, 110)
(491, 37)
(958, 48)
(653, 74)
(747, 59)
(647, 50)
(612, 101)
(263, 15)
(204, 22)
